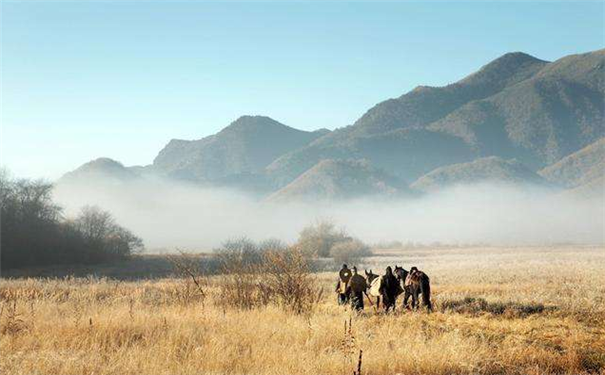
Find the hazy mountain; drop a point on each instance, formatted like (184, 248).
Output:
(101, 170)
(246, 146)
(579, 168)
(592, 189)
(557, 111)
(405, 153)
(425, 104)
(339, 179)
(491, 169)
(514, 107)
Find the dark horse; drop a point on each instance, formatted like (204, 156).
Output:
(415, 283)
(386, 287)
(390, 289)
(401, 274)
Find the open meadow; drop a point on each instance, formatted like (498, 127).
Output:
(521, 310)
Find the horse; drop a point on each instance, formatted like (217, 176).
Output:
(385, 288)
(401, 274)
(374, 282)
(418, 282)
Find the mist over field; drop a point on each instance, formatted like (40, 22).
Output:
(169, 215)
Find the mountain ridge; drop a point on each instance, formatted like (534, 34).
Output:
(514, 107)
(532, 118)
(247, 145)
(339, 180)
(491, 169)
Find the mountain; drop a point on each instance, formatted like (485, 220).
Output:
(426, 104)
(579, 168)
(593, 189)
(246, 146)
(490, 169)
(514, 107)
(517, 107)
(404, 153)
(101, 170)
(557, 111)
(339, 180)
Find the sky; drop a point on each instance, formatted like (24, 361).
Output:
(86, 79)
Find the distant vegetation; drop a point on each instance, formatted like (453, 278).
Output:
(322, 239)
(35, 233)
(349, 251)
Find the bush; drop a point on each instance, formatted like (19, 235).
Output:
(269, 272)
(350, 251)
(288, 280)
(239, 256)
(188, 269)
(317, 240)
(240, 261)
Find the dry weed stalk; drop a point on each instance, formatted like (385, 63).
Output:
(348, 346)
(14, 322)
(358, 371)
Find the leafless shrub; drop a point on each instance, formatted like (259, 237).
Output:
(188, 269)
(239, 262)
(287, 278)
(270, 272)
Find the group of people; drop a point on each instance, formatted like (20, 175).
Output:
(351, 287)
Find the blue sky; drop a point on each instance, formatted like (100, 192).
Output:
(84, 79)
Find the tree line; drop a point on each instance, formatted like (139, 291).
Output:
(34, 231)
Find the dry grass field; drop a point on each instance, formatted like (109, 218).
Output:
(497, 311)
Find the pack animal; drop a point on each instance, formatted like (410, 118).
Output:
(418, 284)
(401, 274)
(385, 288)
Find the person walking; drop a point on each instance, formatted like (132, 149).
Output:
(358, 286)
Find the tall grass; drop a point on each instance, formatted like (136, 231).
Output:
(518, 311)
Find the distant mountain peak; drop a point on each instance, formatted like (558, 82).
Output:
(102, 162)
(510, 67)
(487, 169)
(338, 179)
(247, 145)
(248, 122)
(100, 169)
(513, 60)
(516, 58)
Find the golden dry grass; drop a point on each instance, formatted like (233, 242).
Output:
(543, 312)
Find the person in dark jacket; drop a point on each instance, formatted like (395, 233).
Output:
(358, 286)
(342, 285)
(390, 289)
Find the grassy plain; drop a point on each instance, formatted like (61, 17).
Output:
(521, 310)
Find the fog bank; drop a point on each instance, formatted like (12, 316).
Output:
(171, 215)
